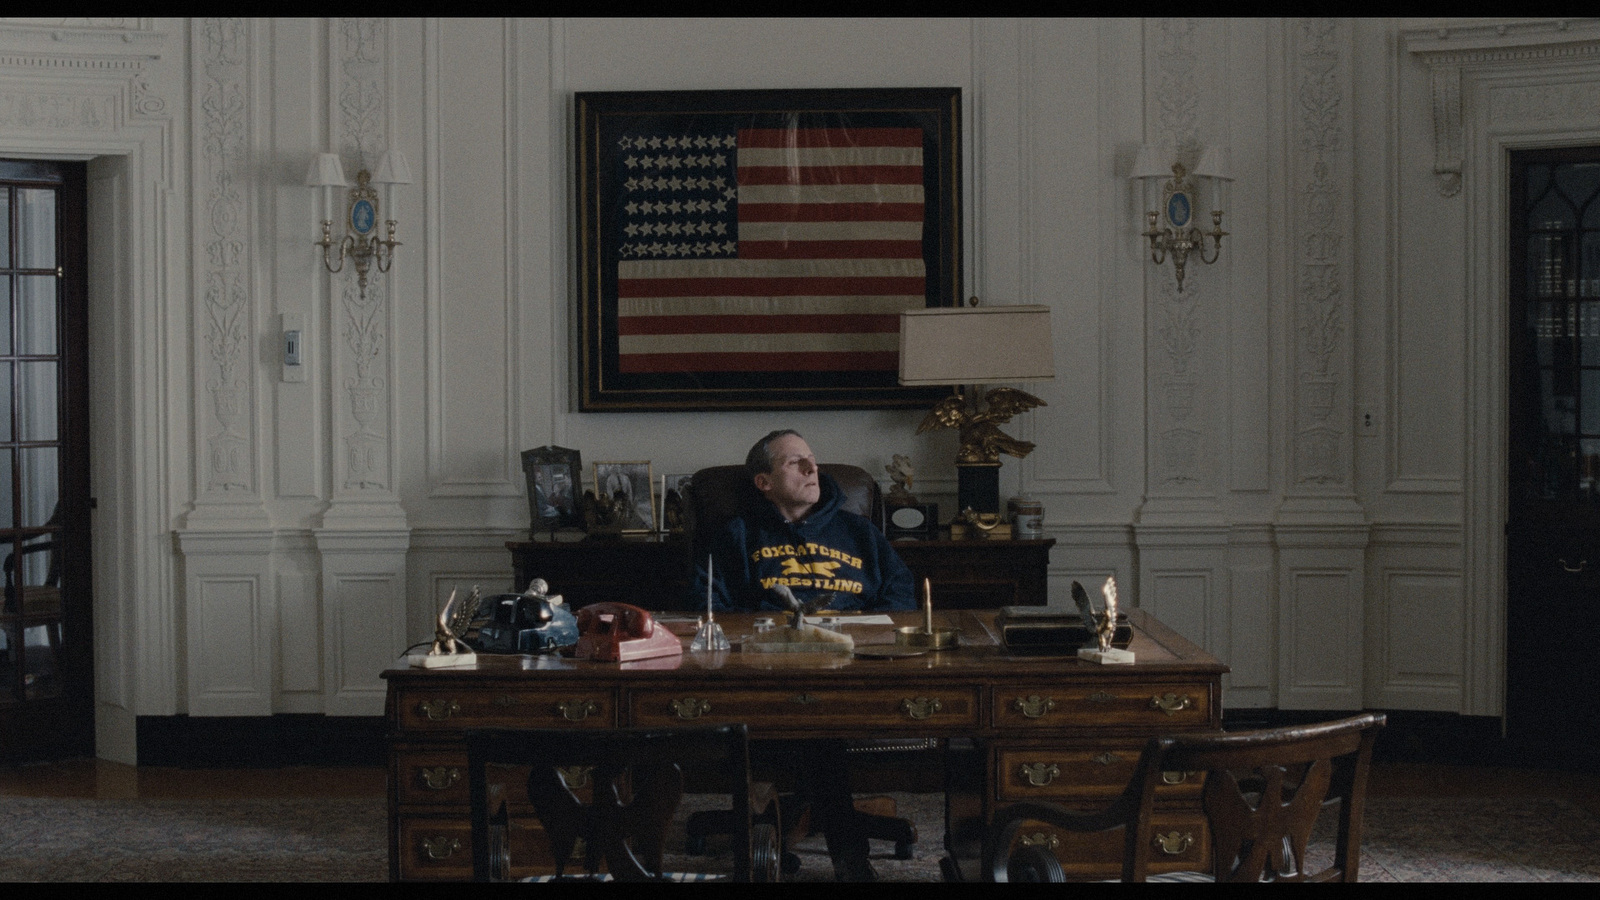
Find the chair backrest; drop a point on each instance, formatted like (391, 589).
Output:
(719, 493)
(1263, 791)
(620, 807)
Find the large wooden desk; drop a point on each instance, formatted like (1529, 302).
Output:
(653, 570)
(1019, 727)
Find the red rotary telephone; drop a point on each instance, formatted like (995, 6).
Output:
(619, 632)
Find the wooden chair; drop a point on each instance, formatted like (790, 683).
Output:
(716, 495)
(1263, 791)
(40, 606)
(617, 818)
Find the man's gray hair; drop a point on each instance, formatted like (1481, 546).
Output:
(759, 460)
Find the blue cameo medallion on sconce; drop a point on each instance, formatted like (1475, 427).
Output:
(1178, 209)
(362, 217)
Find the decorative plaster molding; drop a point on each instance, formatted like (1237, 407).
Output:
(1561, 104)
(1320, 129)
(225, 260)
(1176, 95)
(78, 97)
(362, 101)
(1181, 329)
(77, 35)
(1447, 51)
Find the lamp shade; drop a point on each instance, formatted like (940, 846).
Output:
(326, 171)
(392, 169)
(975, 345)
(1214, 163)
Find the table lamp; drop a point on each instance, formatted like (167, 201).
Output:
(974, 345)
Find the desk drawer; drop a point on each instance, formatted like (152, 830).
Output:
(1181, 843)
(867, 710)
(1162, 706)
(445, 710)
(1092, 774)
(440, 848)
(435, 848)
(430, 777)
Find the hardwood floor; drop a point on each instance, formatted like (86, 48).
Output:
(109, 780)
(1409, 779)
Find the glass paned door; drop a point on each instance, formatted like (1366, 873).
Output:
(45, 686)
(1553, 526)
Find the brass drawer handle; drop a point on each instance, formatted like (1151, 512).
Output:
(1172, 703)
(439, 710)
(1571, 570)
(1040, 774)
(440, 847)
(1175, 777)
(440, 778)
(1034, 706)
(1040, 839)
(1173, 843)
(690, 707)
(922, 707)
(578, 710)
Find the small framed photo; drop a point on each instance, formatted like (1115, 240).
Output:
(673, 502)
(555, 482)
(629, 481)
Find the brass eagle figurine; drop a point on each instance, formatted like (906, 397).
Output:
(455, 620)
(982, 441)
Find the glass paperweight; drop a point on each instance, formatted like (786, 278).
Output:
(709, 636)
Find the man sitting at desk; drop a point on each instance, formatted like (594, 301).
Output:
(803, 539)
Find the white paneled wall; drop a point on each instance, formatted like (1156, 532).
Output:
(1280, 461)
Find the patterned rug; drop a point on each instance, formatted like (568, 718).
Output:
(344, 840)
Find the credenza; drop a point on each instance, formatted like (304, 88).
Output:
(653, 570)
(1016, 727)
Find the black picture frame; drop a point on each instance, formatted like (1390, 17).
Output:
(817, 216)
(555, 488)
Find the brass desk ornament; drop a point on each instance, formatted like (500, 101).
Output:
(1105, 625)
(449, 647)
(926, 635)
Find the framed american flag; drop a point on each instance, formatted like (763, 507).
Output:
(754, 249)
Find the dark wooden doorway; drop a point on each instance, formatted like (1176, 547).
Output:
(1553, 527)
(46, 664)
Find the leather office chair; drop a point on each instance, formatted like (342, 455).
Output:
(1261, 796)
(719, 493)
(609, 795)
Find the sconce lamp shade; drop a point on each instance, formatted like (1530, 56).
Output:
(392, 169)
(975, 345)
(326, 171)
(1148, 163)
(1214, 163)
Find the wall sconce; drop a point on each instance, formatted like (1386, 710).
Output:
(1173, 230)
(360, 243)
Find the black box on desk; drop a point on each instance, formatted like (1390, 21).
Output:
(1052, 630)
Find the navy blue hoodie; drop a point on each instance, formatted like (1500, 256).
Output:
(831, 550)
